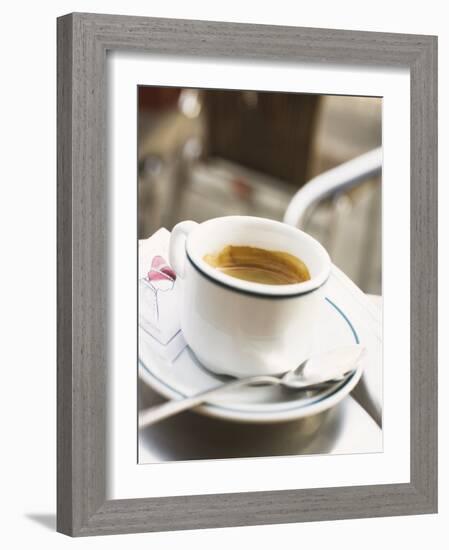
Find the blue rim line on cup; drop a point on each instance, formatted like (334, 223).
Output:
(194, 239)
(252, 292)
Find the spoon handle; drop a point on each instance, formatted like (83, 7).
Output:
(170, 408)
(159, 412)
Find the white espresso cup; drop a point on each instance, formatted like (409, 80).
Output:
(238, 327)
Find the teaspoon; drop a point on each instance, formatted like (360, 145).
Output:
(324, 368)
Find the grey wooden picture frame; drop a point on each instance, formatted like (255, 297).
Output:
(83, 42)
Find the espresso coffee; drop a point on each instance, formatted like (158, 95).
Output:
(269, 267)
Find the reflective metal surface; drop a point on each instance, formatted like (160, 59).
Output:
(346, 428)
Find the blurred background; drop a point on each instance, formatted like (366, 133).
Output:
(209, 153)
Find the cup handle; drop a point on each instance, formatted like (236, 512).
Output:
(177, 248)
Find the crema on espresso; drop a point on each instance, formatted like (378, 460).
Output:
(258, 265)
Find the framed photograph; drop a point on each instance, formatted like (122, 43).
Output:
(247, 274)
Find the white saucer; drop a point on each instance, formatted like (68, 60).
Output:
(185, 376)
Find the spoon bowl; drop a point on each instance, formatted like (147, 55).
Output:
(329, 366)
